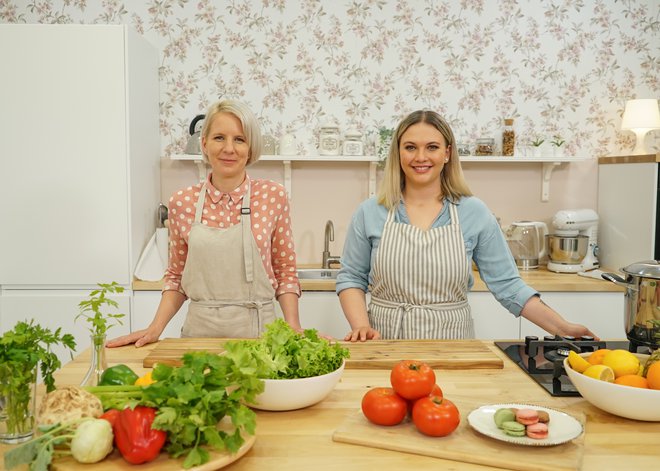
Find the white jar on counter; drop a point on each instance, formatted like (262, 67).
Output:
(329, 140)
(353, 144)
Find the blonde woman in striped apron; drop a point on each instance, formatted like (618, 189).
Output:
(412, 246)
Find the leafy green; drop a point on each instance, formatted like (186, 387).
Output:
(283, 353)
(23, 349)
(100, 322)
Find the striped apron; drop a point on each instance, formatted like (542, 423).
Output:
(420, 282)
(229, 290)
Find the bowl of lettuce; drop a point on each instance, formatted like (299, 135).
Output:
(297, 369)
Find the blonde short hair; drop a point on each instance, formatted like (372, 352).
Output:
(452, 181)
(248, 120)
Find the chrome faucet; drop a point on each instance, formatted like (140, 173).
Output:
(329, 236)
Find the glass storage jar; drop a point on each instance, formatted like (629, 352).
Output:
(353, 143)
(329, 141)
(485, 146)
(508, 138)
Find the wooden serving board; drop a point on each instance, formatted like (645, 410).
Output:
(114, 462)
(464, 445)
(375, 354)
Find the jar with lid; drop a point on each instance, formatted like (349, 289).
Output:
(329, 141)
(508, 138)
(353, 143)
(484, 146)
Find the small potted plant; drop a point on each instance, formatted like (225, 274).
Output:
(384, 141)
(557, 145)
(537, 142)
(90, 310)
(22, 350)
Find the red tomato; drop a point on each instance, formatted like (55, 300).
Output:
(412, 379)
(383, 406)
(435, 416)
(436, 391)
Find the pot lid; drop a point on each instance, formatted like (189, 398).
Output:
(647, 268)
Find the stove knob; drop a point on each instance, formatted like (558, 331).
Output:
(530, 338)
(569, 337)
(587, 338)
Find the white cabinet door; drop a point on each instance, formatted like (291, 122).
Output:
(321, 310)
(58, 308)
(602, 313)
(145, 304)
(491, 320)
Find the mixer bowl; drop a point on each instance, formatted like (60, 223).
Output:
(567, 249)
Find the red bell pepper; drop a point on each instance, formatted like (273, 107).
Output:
(111, 416)
(136, 440)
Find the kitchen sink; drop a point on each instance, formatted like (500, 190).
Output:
(318, 273)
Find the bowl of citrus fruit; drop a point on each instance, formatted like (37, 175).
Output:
(617, 381)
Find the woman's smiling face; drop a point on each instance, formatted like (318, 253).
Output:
(423, 153)
(226, 146)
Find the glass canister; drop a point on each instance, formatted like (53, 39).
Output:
(329, 140)
(484, 146)
(508, 138)
(353, 143)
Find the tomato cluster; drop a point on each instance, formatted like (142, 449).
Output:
(414, 392)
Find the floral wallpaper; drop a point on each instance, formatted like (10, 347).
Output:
(558, 67)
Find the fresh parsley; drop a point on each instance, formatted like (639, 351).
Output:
(100, 322)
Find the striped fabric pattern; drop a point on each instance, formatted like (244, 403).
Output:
(420, 282)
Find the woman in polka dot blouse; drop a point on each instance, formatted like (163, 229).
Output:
(231, 246)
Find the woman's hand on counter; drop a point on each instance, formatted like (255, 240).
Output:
(139, 338)
(362, 334)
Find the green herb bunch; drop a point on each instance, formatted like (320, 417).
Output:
(100, 322)
(557, 141)
(23, 349)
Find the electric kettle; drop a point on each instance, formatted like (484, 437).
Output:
(194, 145)
(526, 241)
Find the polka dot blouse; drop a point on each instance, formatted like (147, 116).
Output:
(271, 228)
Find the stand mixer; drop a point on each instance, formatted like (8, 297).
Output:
(573, 247)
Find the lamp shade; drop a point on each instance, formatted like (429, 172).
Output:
(641, 114)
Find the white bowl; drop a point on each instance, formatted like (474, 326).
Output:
(624, 401)
(291, 394)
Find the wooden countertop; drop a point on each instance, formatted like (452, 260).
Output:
(303, 439)
(540, 279)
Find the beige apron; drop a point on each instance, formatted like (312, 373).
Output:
(229, 290)
(420, 282)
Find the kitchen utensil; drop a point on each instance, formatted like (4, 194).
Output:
(527, 243)
(642, 301)
(568, 251)
(378, 354)
(617, 399)
(194, 145)
(464, 445)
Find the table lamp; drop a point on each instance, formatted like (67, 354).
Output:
(640, 117)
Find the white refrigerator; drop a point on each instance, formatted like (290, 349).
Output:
(79, 168)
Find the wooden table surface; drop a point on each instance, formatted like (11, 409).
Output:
(302, 440)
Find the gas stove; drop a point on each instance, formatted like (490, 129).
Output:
(542, 359)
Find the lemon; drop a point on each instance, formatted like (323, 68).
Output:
(578, 363)
(601, 372)
(622, 362)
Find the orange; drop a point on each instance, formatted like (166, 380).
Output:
(653, 375)
(622, 362)
(596, 358)
(632, 380)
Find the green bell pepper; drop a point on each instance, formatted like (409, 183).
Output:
(118, 375)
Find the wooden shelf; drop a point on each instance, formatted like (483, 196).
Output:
(549, 163)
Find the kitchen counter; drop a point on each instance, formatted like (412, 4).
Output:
(303, 439)
(540, 279)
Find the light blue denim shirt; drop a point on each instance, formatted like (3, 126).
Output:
(484, 243)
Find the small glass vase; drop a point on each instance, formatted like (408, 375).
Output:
(18, 394)
(98, 363)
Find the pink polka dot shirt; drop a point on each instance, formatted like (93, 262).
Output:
(271, 228)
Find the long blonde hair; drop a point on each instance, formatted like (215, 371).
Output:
(248, 121)
(452, 181)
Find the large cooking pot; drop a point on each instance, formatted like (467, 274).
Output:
(642, 309)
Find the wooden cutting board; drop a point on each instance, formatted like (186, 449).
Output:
(375, 354)
(464, 445)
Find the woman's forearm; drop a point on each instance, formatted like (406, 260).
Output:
(354, 304)
(289, 304)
